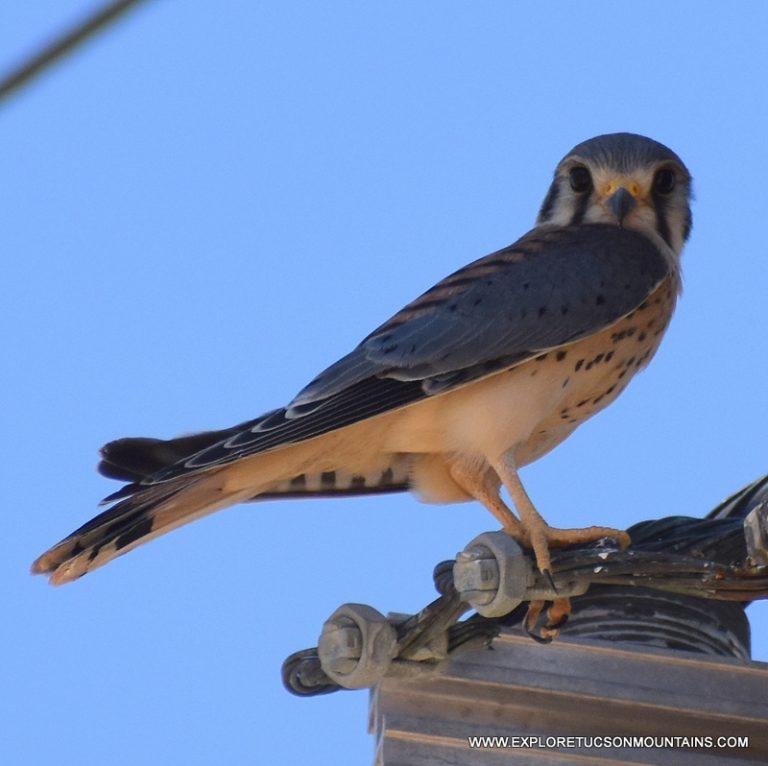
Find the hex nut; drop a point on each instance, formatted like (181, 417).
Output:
(356, 646)
(492, 574)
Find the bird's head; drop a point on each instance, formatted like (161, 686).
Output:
(624, 180)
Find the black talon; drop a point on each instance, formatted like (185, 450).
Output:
(560, 623)
(549, 577)
(530, 628)
(540, 639)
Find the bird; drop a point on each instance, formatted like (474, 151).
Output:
(482, 374)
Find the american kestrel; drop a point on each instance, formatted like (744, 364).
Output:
(485, 372)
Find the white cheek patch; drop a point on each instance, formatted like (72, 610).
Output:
(676, 221)
(562, 213)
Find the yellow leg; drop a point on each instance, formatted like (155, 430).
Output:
(539, 535)
(530, 530)
(481, 486)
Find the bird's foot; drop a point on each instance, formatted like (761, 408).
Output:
(557, 615)
(540, 537)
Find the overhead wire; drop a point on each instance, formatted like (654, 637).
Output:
(31, 67)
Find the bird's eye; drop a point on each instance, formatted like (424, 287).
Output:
(580, 178)
(664, 181)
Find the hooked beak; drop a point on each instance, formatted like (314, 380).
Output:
(621, 203)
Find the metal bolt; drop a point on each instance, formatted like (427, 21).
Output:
(341, 644)
(476, 575)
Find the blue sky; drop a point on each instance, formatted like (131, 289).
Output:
(210, 203)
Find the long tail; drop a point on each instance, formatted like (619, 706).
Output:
(144, 510)
(147, 513)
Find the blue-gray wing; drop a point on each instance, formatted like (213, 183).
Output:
(553, 286)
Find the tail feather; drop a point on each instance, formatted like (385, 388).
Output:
(149, 513)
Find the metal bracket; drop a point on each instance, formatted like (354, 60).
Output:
(723, 557)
